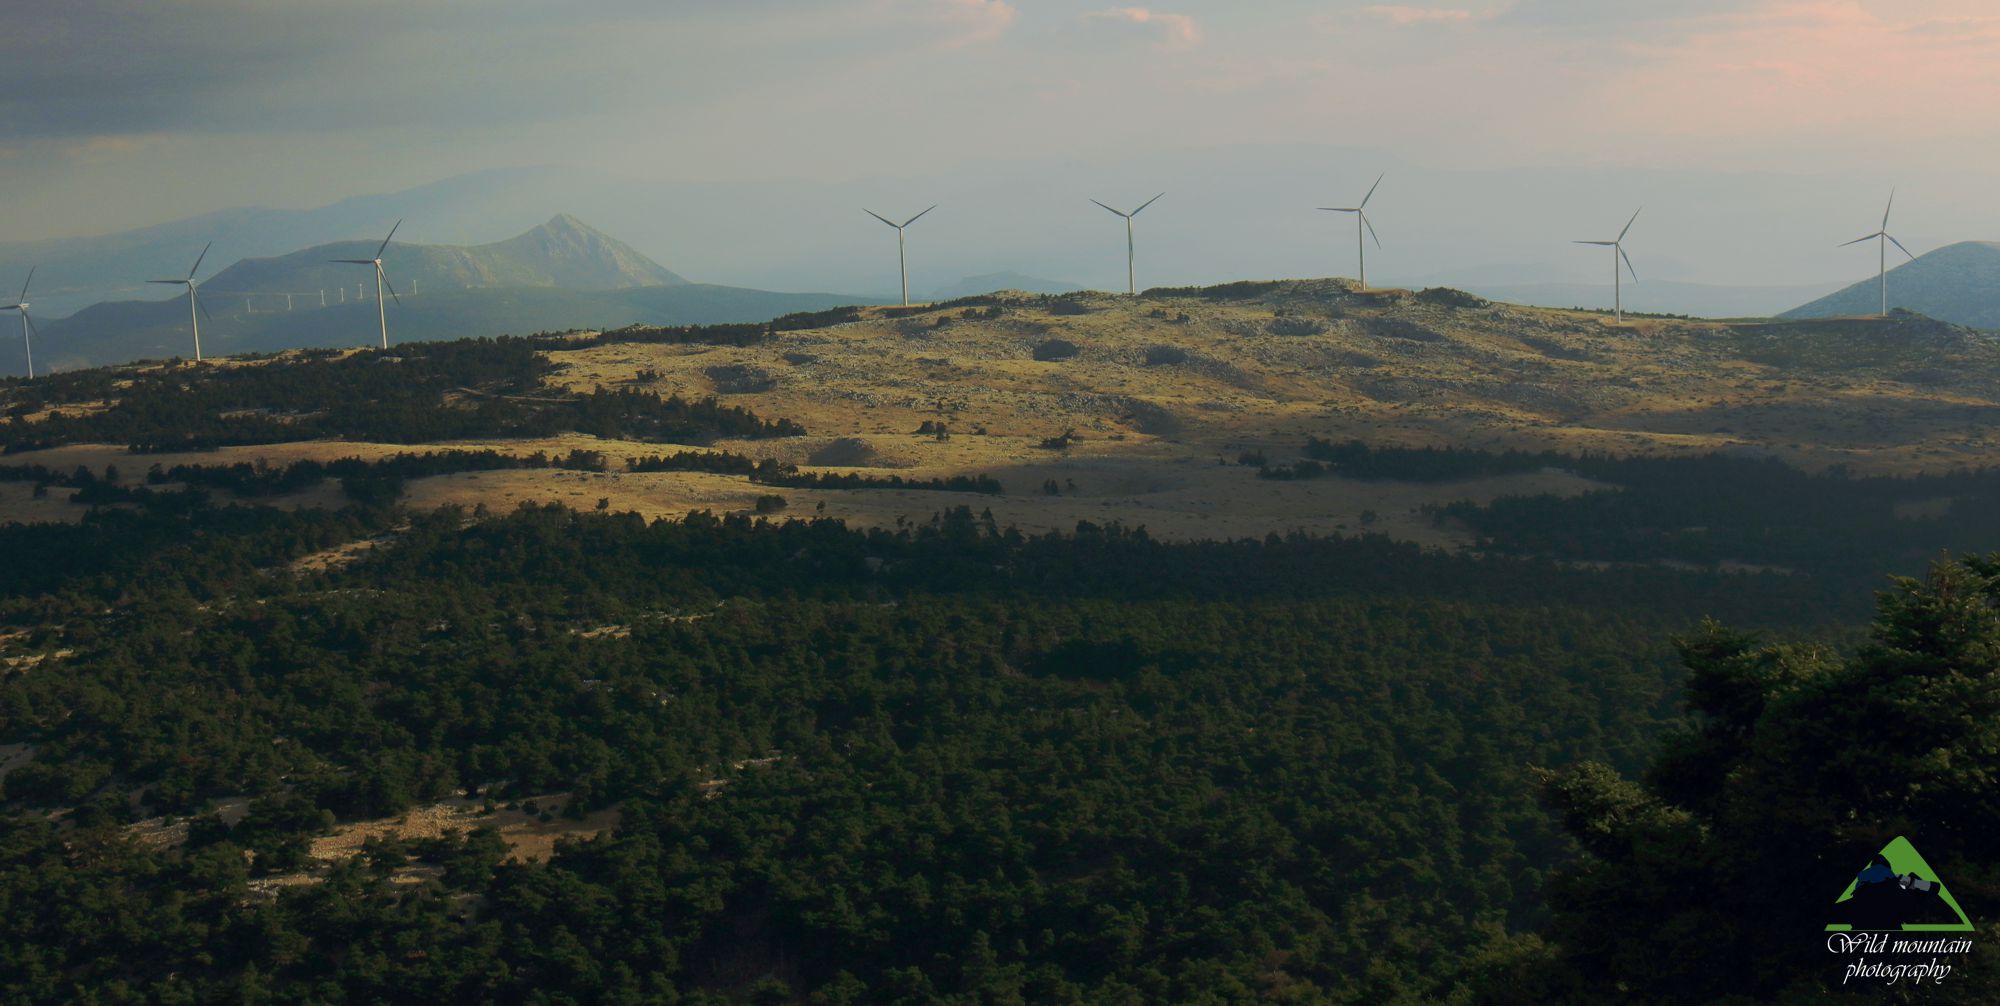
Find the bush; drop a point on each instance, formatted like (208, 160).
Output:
(1055, 349)
(770, 503)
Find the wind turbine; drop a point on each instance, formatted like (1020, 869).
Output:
(1131, 284)
(902, 263)
(1883, 240)
(21, 304)
(193, 300)
(381, 310)
(1617, 246)
(1361, 220)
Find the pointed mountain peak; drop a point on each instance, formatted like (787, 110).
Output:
(565, 222)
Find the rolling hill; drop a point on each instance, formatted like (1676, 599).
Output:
(1148, 393)
(1959, 283)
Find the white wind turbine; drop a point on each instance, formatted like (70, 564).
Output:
(902, 263)
(194, 301)
(21, 304)
(1361, 220)
(1617, 246)
(381, 310)
(1131, 283)
(1883, 240)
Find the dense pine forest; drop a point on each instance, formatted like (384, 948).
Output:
(946, 764)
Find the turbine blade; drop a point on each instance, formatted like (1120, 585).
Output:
(31, 324)
(176, 282)
(198, 258)
(198, 302)
(1341, 209)
(1371, 228)
(1371, 191)
(354, 261)
(1886, 209)
(23, 298)
(1899, 246)
(1628, 223)
(1628, 262)
(1147, 203)
(391, 286)
(1856, 241)
(385, 241)
(878, 216)
(1114, 211)
(1593, 242)
(912, 220)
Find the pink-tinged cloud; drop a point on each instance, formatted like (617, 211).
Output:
(951, 23)
(1794, 66)
(1174, 31)
(975, 21)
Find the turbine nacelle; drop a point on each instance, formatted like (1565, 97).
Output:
(1360, 211)
(27, 324)
(1884, 239)
(1131, 277)
(1617, 246)
(902, 264)
(381, 281)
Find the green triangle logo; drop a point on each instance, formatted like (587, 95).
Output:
(1898, 890)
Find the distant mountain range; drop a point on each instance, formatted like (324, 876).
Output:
(561, 275)
(72, 273)
(1959, 283)
(564, 253)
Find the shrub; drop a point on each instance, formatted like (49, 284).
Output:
(1055, 349)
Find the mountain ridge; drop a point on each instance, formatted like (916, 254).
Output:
(564, 253)
(1959, 283)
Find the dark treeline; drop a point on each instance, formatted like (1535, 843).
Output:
(257, 480)
(416, 393)
(1357, 460)
(771, 471)
(377, 481)
(1705, 510)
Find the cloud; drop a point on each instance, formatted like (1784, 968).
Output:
(1803, 65)
(1402, 16)
(971, 22)
(1586, 14)
(1170, 31)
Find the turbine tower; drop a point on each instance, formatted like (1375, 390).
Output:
(21, 304)
(1131, 283)
(1617, 246)
(1361, 220)
(902, 263)
(1883, 240)
(194, 301)
(381, 311)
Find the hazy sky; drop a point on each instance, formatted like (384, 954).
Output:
(118, 114)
